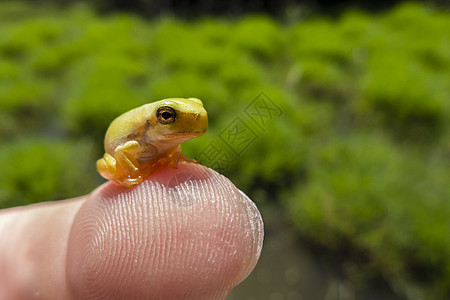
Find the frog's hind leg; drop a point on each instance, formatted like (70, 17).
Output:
(125, 155)
(126, 158)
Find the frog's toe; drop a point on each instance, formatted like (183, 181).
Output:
(184, 158)
(106, 166)
(130, 181)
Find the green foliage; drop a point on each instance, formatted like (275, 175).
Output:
(391, 205)
(357, 152)
(259, 36)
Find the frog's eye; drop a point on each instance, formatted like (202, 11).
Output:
(166, 115)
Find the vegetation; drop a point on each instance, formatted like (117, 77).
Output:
(356, 149)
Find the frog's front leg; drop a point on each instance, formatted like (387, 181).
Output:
(176, 156)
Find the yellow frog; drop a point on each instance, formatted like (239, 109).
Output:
(148, 137)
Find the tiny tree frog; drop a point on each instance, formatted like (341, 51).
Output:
(148, 137)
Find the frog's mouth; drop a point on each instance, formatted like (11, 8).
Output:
(184, 134)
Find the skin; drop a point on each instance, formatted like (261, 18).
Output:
(146, 138)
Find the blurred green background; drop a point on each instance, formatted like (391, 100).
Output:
(352, 173)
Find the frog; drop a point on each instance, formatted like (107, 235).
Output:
(146, 138)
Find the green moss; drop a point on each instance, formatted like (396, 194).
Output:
(39, 170)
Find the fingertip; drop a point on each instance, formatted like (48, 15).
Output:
(182, 233)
